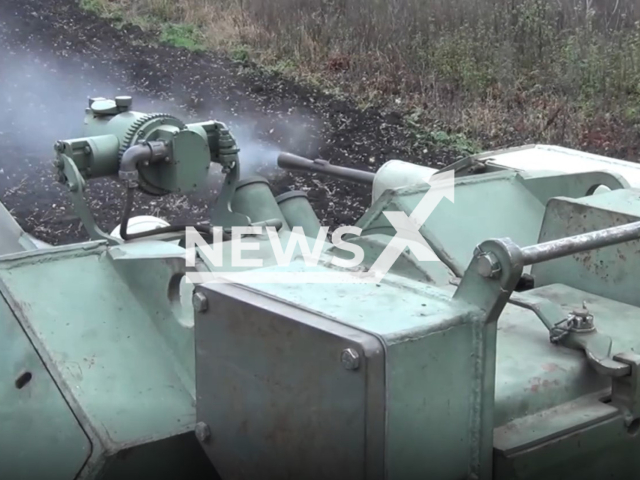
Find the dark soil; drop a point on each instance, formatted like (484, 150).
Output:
(55, 56)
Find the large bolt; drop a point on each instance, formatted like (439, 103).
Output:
(203, 433)
(350, 359)
(200, 302)
(59, 146)
(581, 320)
(488, 265)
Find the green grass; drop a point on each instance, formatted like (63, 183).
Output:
(176, 34)
(438, 137)
(240, 53)
(102, 8)
(181, 35)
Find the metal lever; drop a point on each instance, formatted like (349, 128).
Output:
(576, 330)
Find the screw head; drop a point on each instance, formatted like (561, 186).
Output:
(350, 359)
(488, 265)
(59, 146)
(200, 302)
(203, 433)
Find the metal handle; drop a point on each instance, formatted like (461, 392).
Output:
(562, 247)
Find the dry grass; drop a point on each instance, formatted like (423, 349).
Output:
(561, 71)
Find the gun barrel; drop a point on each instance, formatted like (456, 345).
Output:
(289, 161)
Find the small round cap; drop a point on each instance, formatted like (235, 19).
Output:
(124, 101)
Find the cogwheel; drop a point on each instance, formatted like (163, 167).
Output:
(134, 129)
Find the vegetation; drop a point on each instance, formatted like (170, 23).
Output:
(561, 71)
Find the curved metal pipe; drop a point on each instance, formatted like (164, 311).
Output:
(143, 152)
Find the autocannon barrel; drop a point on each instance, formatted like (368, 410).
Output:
(289, 161)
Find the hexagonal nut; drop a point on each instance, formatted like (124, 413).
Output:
(350, 359)
(200, 302)
(488, 265)
(202, 431)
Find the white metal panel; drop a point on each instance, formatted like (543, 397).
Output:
(566, 160)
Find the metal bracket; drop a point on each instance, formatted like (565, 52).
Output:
(487, 283)
(221, 213)
(625, 390)
(69, 174)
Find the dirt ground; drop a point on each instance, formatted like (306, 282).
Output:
(56, 55)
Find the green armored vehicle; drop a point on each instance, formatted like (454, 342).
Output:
(478, 322)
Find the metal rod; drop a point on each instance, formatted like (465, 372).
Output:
(289, 161)
(580, 243)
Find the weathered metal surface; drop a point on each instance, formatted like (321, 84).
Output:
(417, 325)
(39, 434)
(284, 404)
(438, 371)
(610, 271)
(105, 349)
(407, 265)
(533, 374)
(593, 451)
(584, 242)
(475, 221)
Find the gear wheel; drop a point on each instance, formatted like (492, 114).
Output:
(134, 129)
(139, 129)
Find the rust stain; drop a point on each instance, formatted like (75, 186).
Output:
(539, 383)
(536, 381)
(550, 367)
(586, 261)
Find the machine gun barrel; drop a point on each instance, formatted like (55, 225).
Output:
(289, 161)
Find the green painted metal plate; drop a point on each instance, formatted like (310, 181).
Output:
(102, 342)
(40, 438)
(611, 271)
